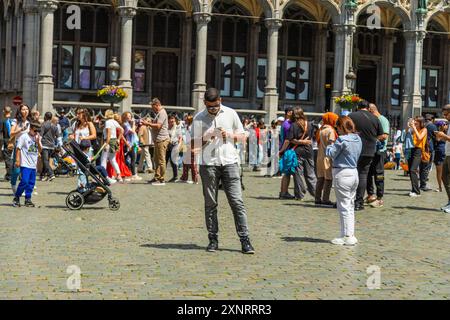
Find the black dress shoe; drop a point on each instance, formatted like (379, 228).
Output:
(247, 247)
(213, 243)
(359, 208)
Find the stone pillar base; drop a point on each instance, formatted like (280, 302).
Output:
(198, 95)
(125, 104)
(45, 95)
(271, 106)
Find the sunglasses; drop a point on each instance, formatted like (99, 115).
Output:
(213, 107)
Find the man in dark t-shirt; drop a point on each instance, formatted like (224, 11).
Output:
(370, 130)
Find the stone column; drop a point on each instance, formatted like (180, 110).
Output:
(412, 98)
(271, 92)
(31, 54)
(201, 19)
(8, 52)
(342, 60)
(45, 84)
(320, 68)
(126, 14)
(19, 52)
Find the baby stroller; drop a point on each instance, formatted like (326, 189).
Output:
(63, 165)
(94, 191)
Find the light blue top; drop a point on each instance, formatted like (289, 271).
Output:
(345, 151)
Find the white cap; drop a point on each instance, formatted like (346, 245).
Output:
(280, 119)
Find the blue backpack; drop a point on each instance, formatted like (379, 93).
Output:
(288, 162)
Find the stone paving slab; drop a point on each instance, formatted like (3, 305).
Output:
(154, 246)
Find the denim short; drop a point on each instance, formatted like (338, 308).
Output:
(439, 155)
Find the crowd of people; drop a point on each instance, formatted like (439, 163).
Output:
(347, 153)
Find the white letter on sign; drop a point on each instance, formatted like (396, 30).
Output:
(74, 281)
(374, 21)
(73, 21)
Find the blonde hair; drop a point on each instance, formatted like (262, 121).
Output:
(109, 114)
(116, 117)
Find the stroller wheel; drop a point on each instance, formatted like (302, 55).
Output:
(114, 204)
(74, 200)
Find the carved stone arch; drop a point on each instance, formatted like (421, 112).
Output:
(435, 12)
(266, 6)
(329, 5)
(398, 9)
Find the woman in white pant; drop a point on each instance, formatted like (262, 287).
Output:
(112, 144)
(345, 153)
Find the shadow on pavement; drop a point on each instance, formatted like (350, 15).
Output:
(181, 246)
(265, 198)
(58, 192)
(304, 239)
(82, 209)
(415, 208)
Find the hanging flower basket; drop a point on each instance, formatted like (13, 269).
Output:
(348, 102)
(112, 94)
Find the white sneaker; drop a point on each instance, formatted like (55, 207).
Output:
(447, 210)
(447, 206)
(414, 195)
(338, 241)
(347, 241)
(112, 180)
(120, 180)
(350, 241)
(136, 178)
(158, 183)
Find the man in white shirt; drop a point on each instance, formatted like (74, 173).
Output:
(446, 167)
(215, 130)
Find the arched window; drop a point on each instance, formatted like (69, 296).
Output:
(432, 65)
(368, 40)
(156, 45)
(80, 56)
(296, 52)
(228, 46)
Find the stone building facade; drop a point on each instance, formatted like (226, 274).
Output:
(262, 54)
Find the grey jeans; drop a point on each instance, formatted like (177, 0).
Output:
(231, 182)
(305, 169)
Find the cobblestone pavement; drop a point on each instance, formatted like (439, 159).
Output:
(154, 247)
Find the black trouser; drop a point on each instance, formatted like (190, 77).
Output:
(7, 156)
(376, 173)
(174, 165)
(132, 162)
(46, 169)
(413, 164)
(363, 171)
(424, 169)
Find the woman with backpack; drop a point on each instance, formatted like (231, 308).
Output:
(419, 153)
(300, 140)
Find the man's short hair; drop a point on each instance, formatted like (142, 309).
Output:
(429, 117)
(212, 94)
(446, 108)
(155, 101)
(7, 109)
(363, 104)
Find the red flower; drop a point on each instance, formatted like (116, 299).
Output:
(355, 99)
